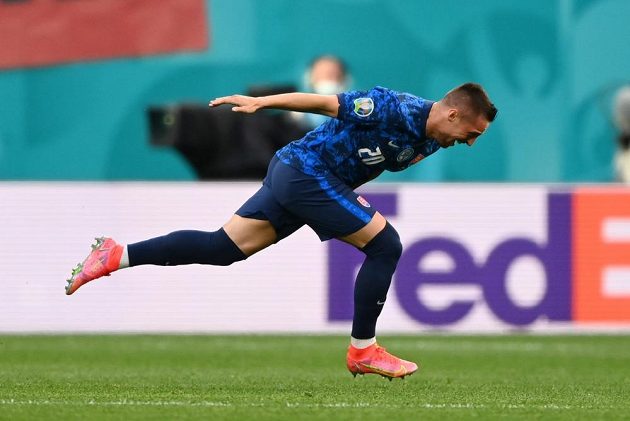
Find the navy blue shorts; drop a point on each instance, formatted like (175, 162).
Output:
(288, 199)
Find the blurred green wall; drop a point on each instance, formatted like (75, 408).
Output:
(551, 67)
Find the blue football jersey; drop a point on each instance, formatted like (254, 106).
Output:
(374, 131)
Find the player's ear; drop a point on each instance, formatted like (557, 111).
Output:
(452, 114)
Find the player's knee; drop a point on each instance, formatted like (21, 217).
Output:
(226, 251)
(385, 243)
(395, 247)
(226, 260)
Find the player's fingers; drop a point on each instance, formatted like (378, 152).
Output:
(216, 102)
(222, 100)
(242, 109)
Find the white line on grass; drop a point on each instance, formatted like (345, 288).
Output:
(513, 346)
(464, 345)
(212, 404)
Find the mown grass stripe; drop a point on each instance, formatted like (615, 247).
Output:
(289, 404)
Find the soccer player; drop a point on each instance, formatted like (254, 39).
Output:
(311, 181)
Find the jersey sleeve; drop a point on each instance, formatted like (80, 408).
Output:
(376, 106)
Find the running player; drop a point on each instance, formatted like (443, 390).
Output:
(311, 181)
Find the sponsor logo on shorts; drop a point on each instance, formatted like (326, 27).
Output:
(363, 107)
(362, 201)
(405, 155)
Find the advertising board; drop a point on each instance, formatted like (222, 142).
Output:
(477, 258)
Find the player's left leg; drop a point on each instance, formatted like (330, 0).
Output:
(334, 210)
(382, 247)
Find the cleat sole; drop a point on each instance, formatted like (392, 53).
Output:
(384, 375)
(77, 269)
(99, 242)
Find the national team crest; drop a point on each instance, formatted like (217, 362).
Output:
(405, 155)
(362, 201)
(363, 107)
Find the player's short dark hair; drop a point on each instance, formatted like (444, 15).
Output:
(474, 98)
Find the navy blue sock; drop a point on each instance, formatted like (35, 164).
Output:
(375, 276)
(185, 248)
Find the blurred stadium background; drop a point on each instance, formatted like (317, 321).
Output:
(550, 65)
(103, 130)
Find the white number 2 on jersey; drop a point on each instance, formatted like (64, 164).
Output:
(371, 157)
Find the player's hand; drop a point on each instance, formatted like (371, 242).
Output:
(241, 103)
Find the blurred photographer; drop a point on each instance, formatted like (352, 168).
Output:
(622, 120)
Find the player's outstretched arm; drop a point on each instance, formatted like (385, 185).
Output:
(296, 101)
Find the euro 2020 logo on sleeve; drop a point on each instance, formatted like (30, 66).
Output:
(363, 107)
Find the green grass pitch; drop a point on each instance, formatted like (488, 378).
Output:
(304, 377)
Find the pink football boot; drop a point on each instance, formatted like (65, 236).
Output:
(104, 259)
(374, 359)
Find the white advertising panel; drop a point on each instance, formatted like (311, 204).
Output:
(477, 258)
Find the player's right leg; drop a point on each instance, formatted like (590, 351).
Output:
(238, 239)
(260, 222)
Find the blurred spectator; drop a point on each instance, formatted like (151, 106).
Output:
(622, 120)
(213, 141)
(326, 75)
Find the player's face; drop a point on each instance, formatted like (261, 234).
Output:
(462, 129)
